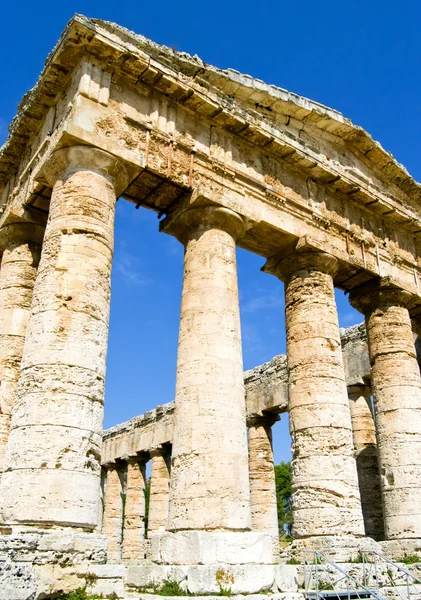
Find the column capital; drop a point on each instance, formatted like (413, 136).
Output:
(66, 161)
(21, 232)
(157, 451)
(357, 390)
(133, 459)
(284, 265)
(265, 419)
(379, 292)
(112, 466)
(197, 219)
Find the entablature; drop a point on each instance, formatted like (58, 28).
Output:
(298, 171)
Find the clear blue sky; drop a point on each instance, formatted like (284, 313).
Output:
(360, 57)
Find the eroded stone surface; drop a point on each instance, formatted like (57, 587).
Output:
(366, 456)
(112, 522)
(133, 548)
(264, 513)
(397, 392)
(66, 345)
(19, 263)
(263, 168)
(326, 498)
(160, 489)
(209, 388)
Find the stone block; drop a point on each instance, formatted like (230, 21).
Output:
(397, 549)
(194, 547)
(288, 596)
(286, 578)
(107, 571)
(106, 587)
(144, 576)
(250, 579)
(17, 582)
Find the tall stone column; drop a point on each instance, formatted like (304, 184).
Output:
(20, 243)
(326, 498)
(264, 513)
(52, 466)
(365, 449)
(112, 521)
(134, 516)
(210, 482)
(159, 490)
(397, 392)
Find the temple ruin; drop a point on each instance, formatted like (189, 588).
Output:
(225, 160)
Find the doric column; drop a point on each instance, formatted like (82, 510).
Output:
(20, 243)
(159, 490)
(264, 513)
(52, 469)
(134, 514)
(210, 481)
(112, 521)
(326, 499)
(397, 401)
(365, 449)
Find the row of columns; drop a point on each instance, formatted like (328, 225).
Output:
(124, 503)
(124, 509)
(52, 466)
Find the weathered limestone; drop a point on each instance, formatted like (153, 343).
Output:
(112, 521)
(63, 363)
(133, 548)
(264, 514)
(114, 113)
(139, 435)
(365, 448)
(355, 355)
(266, 387)
(397, 391)
(20, 243)
(160, 489)
(209, 479)
(326, 498)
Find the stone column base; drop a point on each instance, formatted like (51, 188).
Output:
(214, 578)
(398, 549)
(36, 562)
(337, 548)
(207, 547)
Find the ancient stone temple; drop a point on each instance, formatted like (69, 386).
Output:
(225, 160)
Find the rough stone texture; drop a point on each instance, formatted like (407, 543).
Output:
(267, 387)
(149, 576)
(263, 596)
(35, 564)
(326, 497)
(65, 350)
(249, 579)
(365, 448)
(398, 549)
(355, 355)
(397, 391)
(133, 549)
(337, 548)
(209, 388)
(19, 263)
(188, 134)
(112, 522)
(138, 435)
(64, 357)
(264, 513)
(208, 579)
(211, 547)
(160, 489)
